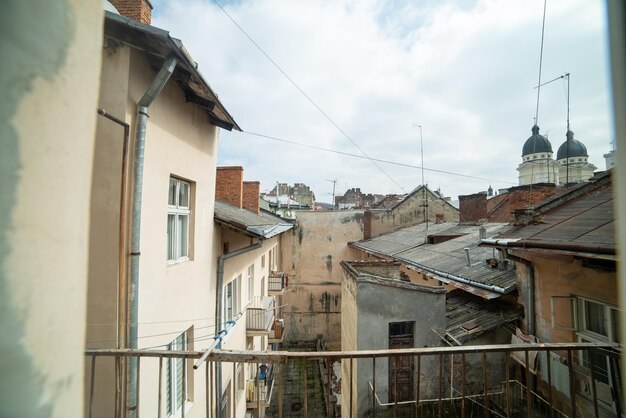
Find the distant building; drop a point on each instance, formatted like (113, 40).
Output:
(538, 165)
(354, 199)
(283, 205)
(299, 192)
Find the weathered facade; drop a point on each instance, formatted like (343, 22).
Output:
(564, 248)
(319, 242)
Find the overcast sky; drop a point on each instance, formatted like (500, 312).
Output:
(464, 70)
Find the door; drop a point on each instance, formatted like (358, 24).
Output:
(401, 335)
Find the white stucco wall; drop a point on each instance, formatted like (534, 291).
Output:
(49, 80)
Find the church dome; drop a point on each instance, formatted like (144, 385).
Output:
(536, 143)
(571, 148)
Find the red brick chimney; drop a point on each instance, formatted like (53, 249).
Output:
(139, 10)
(251, 195)
(473, 207)
(229, 185)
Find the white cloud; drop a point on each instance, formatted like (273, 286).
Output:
(462, 69)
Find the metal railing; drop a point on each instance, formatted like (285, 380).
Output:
(277, 281)
(260, 314)
(444, 381)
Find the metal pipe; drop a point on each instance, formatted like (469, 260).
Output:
(122, 255)
(141, 124)
(218, 316)
(549, 245)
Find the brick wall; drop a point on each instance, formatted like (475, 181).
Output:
(518, 198)
(473, 207)
(229, 185)
(139, 10)
(251, 195)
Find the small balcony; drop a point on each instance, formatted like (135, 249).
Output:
(260, 316)
(277, 283)
(277, 331)
(259, 390)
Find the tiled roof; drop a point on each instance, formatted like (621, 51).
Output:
(448, 259)
(262, 225)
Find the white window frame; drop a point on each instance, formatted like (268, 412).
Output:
(234, 306)
(182, 342)
(177, 209)
(586, 335)
(250, 282)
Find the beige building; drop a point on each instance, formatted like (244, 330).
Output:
(567, 278)
(152, 253)
(538, 164)
(250, 284)
(50, 74)
(319, 243)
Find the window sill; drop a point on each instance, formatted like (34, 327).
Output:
(178, 261)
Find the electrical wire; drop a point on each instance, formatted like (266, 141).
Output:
(287, 141)
(318, 107)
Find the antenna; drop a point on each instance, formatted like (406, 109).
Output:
(334, 182)
(424, 201)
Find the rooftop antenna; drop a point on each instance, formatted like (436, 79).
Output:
(424, 202)
(567, 134)
(334, 182)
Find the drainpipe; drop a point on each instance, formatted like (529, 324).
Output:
(218, 316)
(143, 106)
(122, 302)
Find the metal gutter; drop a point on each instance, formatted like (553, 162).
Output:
(548, 245)
(141, 124)
(218, 314)
(122, 289)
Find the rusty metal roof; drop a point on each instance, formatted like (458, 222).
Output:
(448, 259)
(584, 221)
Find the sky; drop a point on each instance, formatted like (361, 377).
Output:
(335, 73)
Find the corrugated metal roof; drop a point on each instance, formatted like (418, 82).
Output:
(586, 219)
(407, 245)
(468, 316)
(262, 225)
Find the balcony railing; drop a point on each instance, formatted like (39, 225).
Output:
(277, 331)
(277, 283)
(444, 381)
(259, 390)
(260, 316)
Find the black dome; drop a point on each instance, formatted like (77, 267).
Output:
(571, 148)
(536, 143)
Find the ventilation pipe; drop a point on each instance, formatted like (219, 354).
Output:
(218, 315)
(143, 106)
(467, 257)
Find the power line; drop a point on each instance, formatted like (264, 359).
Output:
(380, 160)
(331, 120)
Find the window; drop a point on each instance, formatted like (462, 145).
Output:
(231, 298)
(263, 261)
(250, 282)
(178, 214)
(598, 323)
(239, 379)
(176, 374)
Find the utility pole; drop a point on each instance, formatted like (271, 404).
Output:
(334, 182)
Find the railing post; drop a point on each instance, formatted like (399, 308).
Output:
(92, 384)
(329, 365)
(207, 389)
(418, 377)
(549, 362)
(572, 383)
(374, 386)
(159, 398)
(529, 400)
(351, 377)
(506, 384)
(462, 385)
(138, 381)
(485, 397)
(440, 403)
(306, 390)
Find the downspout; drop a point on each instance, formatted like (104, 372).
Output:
(218, 317)
(143, 106)
(122, 301)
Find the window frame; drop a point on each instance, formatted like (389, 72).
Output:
(250, 282)
(178, 210)
(182, 342)
(234, 287)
